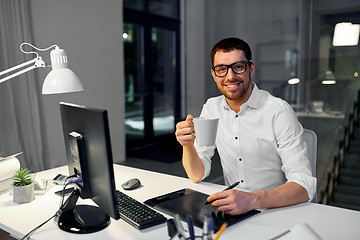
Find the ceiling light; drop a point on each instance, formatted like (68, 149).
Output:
(293, 81)
(346, 34)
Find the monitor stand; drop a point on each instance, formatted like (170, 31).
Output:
(81, 218)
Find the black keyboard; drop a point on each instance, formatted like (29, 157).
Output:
(136, 213)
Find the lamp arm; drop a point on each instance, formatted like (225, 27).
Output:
(38, 62)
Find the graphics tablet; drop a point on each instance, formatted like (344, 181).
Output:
(190, 202)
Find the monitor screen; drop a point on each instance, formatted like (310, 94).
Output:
(89, 155)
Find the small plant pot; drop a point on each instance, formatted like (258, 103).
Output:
(24, 194)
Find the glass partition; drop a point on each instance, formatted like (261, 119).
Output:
(302, 65)
(296, 60)
(151, 46)
(134, 81)
(163, 87)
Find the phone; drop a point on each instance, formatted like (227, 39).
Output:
(60, 179)
(66, 192)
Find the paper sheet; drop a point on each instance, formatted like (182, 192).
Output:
(301, 231)
(9, 157)
(8, 166)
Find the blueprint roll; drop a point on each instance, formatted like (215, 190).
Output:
(8, 167)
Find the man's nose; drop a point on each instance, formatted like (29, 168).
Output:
(231, 74)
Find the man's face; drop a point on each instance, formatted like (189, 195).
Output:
(233, 86)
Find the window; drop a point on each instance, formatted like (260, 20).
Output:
(151, 45)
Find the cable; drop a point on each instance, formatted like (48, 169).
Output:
(39, 49)
(27, 236)
(63, 191)
(79, 179)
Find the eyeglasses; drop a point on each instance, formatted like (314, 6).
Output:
(238, 67)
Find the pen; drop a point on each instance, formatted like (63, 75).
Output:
(223, 226)
(205, 227)
(190, 223)
(211, 227)
(229, 187)
(205, 235)
(179, 227)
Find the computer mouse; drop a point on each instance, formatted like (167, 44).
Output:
(131, 184)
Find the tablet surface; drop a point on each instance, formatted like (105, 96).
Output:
(191, 202)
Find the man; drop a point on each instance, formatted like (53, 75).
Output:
(259, 139)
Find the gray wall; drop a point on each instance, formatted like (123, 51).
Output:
(90, 32)
(194, 50)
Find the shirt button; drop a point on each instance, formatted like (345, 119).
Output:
(236, 138)
(242, 181)
(240, 159)
(236, 115)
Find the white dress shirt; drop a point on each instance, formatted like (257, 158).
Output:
(261, 145)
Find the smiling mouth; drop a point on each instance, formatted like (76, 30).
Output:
(233, 85)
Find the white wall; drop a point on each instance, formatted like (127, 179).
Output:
(90, 32)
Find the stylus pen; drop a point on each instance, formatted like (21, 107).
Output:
(229, 187)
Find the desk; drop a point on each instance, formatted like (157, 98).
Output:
(328, 222)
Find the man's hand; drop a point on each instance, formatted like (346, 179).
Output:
(192, 163)
(184, 131)
(236, 202)
(232, 202)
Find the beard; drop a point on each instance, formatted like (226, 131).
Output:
(240, 92)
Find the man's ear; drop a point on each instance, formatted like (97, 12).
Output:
(213, 74)
(252, 68)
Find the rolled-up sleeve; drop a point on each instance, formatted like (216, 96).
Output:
(205, 154)
(293, 151)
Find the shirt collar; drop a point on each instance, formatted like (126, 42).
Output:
(253, 100)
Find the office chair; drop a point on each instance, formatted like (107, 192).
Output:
(311, 141)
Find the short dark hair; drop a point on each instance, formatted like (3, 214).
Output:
(229, 44)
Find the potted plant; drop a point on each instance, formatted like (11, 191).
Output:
(23, 186)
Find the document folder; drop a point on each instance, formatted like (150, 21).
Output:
(191, 202)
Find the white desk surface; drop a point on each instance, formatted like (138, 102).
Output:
(18, 219)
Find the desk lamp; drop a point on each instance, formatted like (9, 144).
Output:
(59, 80)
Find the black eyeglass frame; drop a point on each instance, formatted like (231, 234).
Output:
(231, 66)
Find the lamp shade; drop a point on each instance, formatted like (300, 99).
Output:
(60, 79)
(329, 78)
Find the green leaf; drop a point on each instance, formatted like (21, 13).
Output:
(22, 177)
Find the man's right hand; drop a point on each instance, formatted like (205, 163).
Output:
(193, 165)
(184, 131)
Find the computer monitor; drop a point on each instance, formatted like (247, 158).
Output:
(89, 155)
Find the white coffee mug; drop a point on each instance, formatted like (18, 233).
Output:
(205, 130)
